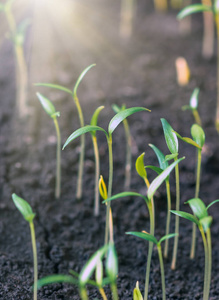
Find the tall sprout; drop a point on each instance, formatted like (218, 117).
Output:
(81, 119)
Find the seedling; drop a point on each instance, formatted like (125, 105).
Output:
(51, 111)
(17, 34)
(26, 211)
(193, 106)
(203, 221)
(148, 237)
(115, 121)
(81, 118)
(112, 269)
(93, 122)
(137, 293)
(128, 137)
(198, 141)
(172, 144)
(149, 202)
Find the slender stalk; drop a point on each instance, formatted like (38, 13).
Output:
(114, 291)
(82, 150)
(58, 160)
(197, 117)
(162, 271)
(197, 187)
(208, 35)
(128, 154)
(33, 239)
(97, 175)
(176, 238)
(205, 297)
(83, 293)
(109, 140)
(208, 233)
(166, 246)
(102, 293)
(217, 111)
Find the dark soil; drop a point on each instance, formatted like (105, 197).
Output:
(138, 72)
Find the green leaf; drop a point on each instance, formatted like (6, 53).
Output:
(94, 118)
(191, 9)
(206, 222)
(56, 279)
(139, 166)
(119, 117)
(160, 156)
(194, 99)
(186, 215)
(198, 135)
(55, 86)
(170, 156)
(47, 105)
(166, 237)
(24, 207)
(112, 263)
(160, 178)
(137, 293)
(90, 266)
(144, 236)
(81, 131)
(215, 201)
(76, 275)
(170, 137)
(198, 208)
(187, 140)
(125, 194)
(99, 273)
(81, 76)
(156, 169)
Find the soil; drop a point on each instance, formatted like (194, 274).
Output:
(138, 71)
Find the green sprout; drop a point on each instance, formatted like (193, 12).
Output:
(172, 144)
(81, 119)
(26, 211)
(137, 293)
(195, 8)
(198, 141)
(115, 121)
(112, 269)
(128, 164)
(155, 184)
(17, 34)
(193, 106)
(51, 111)
(93, 122)
(148, 237)
(201, 218)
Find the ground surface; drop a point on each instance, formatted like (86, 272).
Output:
(138, 72)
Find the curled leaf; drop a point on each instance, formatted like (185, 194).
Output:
(160, 156)
(94, 118)
(139, 165)
(192, 9)
(81, 76)
(170, 137)
(137, 293)
(215, 201)
(206, 222)
(24, 207)
(112, 263)
(102, 188)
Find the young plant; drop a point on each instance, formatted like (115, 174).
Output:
(148, 237)
(51, 111)
(203, 221)
(93, 122)
(172, 144)
(115, 121)
(155, 184)
(17, 34)
(128, 137)
(26, 211)
(193, 106)
(81, 119)
(137, 293)
(198, 141)
(112, 269)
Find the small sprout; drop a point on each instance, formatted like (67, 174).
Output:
(137, 293)
(193, 106)
(51, 111)
(139, 165)
(26, 211)
(112, 269)
(102, 188)
(182, 71)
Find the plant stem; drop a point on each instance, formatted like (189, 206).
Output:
(150, 248)
(58, 160)
(208, 35)
(208, 233)
(33, 239)
(176, 238)
(162, 271)
(81, 159)
(114, 291)
(83, 293)
(197, 117)
(206, 263)
(128, 154)
(109, 140)
(197, 187)
(101, 290)
(168, 218)
(97, 175)
(217, 110)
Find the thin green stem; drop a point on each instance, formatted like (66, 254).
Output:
(58, 160)
(205, 297)
(97, 175)
(197, 117)
(166, 246)
(197, 187)
(162, 271)
(33, 239)
(208, 233)
(114, 291)
(217, 110)
(83, 293)
(176, 238)
(82, 150)
(102, 293)
(128, 154)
